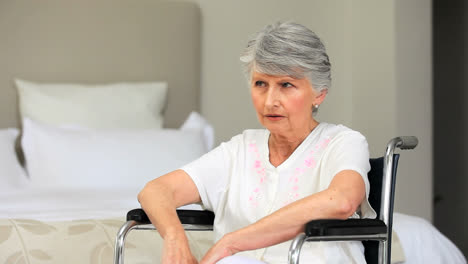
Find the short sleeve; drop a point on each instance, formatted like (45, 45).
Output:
(210, 173)
(349, 150)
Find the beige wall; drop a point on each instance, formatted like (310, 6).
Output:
(380, 52)
(226, 27)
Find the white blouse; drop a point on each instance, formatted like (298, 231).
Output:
(238, 183)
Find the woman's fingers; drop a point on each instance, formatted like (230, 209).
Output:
(219, 251)
(177, 253)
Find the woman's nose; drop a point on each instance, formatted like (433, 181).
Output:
(273, 97)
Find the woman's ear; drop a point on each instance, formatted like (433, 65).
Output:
(320, 97)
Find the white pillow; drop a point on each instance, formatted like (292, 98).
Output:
(195, 121)
(82, 158)
(11, 173)
(119, 105)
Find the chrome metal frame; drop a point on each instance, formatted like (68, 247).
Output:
(296, 245)
(120, 241)
(131, 225)
(385, 210)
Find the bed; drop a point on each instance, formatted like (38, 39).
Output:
(135, 68)
(96, 98)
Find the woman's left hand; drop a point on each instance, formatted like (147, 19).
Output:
(223, 248)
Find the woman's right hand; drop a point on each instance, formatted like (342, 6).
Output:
(159, 199)
(177, 251)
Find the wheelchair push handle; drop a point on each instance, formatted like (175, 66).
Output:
(403, 142)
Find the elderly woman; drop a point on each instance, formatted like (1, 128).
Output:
(264, 185)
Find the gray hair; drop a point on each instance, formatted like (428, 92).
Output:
(287, 48)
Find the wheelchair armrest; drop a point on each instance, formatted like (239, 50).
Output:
(196, 217)
(192, 217)
(348, 227)
(138, 215)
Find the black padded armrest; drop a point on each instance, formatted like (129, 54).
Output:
(192, 217)
(138, 215)
(335, 227)
(195, 217)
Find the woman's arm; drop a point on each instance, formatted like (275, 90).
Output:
(339, 201)
(160, 198)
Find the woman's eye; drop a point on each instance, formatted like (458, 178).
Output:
(287, 84)
(259, 83)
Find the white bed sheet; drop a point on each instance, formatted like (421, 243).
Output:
(423, 243)
(44, 204)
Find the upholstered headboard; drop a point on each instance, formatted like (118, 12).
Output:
(101, 41)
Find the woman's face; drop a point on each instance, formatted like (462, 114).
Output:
(284, 104)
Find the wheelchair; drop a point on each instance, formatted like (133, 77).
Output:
(375, 234)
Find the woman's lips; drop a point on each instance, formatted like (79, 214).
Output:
(274, 117)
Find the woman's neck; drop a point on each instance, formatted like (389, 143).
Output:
(282, 145)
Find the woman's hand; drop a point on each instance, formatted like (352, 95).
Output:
(159, 199)
(177, 251)
(223, 248)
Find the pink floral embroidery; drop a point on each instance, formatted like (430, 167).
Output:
(257, 164)
(261, 172)
(309, 163)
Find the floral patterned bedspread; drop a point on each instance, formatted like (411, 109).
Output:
(82, 241)
(92, 241)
